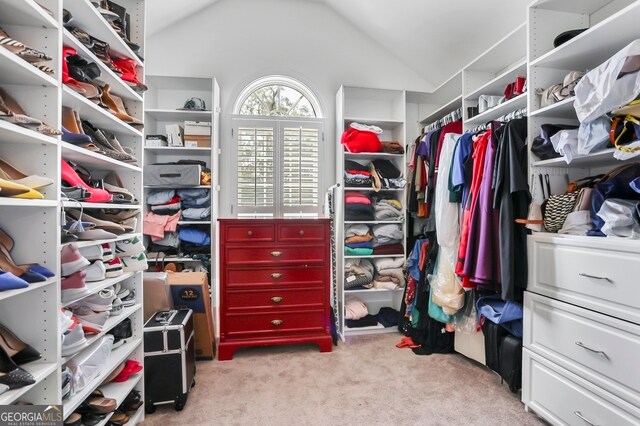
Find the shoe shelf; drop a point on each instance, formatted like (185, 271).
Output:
(172, 259)
(513, 104)
(12, 133)
(88, 18)
(497, 85)
(117, 85)
(26, 12)
(22, 202)
(108, 326)
(562, 109)
(96, 286)
(93, 160)
(76, 204)
(595, 45)
(178, 115)
(40, 371)
(15, 70)
(97, 116)
(137, 417)
(182, 150)
(120, 390)
(32, 287)
(111, 240)
(116, 357)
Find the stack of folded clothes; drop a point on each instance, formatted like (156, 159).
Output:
(358, 240)
(388, 209)
(356, 174)
(389, 274)
(358, 273)
(161, 222)
(358, 207)
(194, 240)
(387, 239)
(196, 203)
(357, 313)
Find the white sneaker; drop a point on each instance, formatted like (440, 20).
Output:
(114, 268)
(135, 263)
(95, 272)
(129, 300)
(116, 307)
(99, 302)
(73, 340)
(92, 322)
(92, 252)
(132, 247)
(107, 252)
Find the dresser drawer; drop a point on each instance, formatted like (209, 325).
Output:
(256, 324)
(276, 276)
(563, 398)
(307, 297)
(275, 254)
(602, 349)
(591, 272)
(300, 232)
(248, 233)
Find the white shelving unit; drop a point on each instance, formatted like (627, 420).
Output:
(385, 109)
(35, 224)
(165, 96)
(594, 387)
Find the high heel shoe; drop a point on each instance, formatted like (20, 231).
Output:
(8, 172)
(12, 375)
(72, 179)
(7, 243)
(8, 265)
(18, 351)
(117, 108)
(11, 189)
(69, 81)
(8, 281)
(127, 67)
(12, 112)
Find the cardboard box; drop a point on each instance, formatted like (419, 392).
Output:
(156, 140)
(174, 134)
(191, 290)
(156, 293)
(192, 141)
(197, 128)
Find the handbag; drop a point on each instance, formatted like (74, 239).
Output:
(624, 130)
(615, 184)
(558, 206)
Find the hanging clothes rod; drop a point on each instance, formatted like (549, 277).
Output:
(519, 113)
(449, 118)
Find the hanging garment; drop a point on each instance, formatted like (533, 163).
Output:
(512, 198)
(460, 173)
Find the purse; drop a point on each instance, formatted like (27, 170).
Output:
(558, 206)
(624, 130)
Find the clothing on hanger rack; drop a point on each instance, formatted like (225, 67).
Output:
(449, 118)
(519, 113)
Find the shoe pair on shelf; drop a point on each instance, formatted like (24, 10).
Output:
(73, 338)
(11, 111)
(29, 54)
(14, 351)
(16, 184)
(13, 276)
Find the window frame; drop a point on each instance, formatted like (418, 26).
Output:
(279, 210)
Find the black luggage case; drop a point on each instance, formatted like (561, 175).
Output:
(169, 358)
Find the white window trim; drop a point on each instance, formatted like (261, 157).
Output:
(278, 209)
(277, 80)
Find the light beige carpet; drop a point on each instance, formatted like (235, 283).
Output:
(364, 381)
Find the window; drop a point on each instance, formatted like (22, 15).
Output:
(277, 134)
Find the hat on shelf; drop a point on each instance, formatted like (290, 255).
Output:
(194, 104)
(566, 36)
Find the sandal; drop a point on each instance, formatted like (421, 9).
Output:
(45, 69)
(25, 52)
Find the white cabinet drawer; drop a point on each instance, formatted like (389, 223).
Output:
(563, 398)
(602, 274)
(602, 349)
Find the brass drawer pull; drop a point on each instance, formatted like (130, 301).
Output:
(301, 232)
(276, 253)
(249, 232)
(276, 299)
(276, 322)
(276, 275)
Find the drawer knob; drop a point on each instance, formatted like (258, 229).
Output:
(276, 275)
(582, 274)
(592, 350)
(301, 232)
(276, 253)
(276, 299)
(276, 322)
(583, 418)
(249, 232)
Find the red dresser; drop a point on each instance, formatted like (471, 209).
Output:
(274, 283)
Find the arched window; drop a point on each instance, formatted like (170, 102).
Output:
(277, 131)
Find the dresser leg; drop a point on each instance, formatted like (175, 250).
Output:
(326, 345)
(225, 353)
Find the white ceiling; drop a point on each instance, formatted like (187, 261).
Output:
(435, 38)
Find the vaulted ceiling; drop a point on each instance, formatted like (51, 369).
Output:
(434, 38)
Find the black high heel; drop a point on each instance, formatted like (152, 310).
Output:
(12, 375)
(18, 351)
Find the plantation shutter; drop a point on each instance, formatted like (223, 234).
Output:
(256, 167)
(300, 166)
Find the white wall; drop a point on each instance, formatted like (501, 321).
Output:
(238, 41)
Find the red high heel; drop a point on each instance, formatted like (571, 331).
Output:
(71, 178)
(128, 68)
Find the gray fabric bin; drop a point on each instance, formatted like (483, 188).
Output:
(172, 174)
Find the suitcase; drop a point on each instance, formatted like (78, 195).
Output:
(169, 358)
(511, 362)
(494, 334)
(172, 174)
